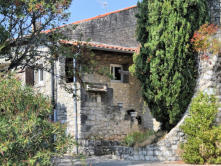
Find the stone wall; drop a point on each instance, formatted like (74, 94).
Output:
(100, 114)
(99, 121)
(97, 147)
(106, 114)
(168, 149)
(117, 28)
(65, 102)
(129, 94)
(215, 11)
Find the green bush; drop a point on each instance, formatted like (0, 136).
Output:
(27, 136)
(137, 137)
(203, 137)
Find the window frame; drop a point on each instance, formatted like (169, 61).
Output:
(121, 75)
(39, 76)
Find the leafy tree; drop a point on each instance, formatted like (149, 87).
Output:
(23, 30)
(30, 35)
(27, 136)
(166, 64)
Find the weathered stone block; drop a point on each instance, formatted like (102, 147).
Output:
(150, 153)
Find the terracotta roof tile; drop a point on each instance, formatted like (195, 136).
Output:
(101, 45)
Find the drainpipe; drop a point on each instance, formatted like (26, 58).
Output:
(75, 100)
(53, 117)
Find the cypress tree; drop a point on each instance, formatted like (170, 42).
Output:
(167, 65)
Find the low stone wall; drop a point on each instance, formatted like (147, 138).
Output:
(97, 147)
(165, 150)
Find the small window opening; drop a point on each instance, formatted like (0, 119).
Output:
(40, 74)
(128, 114)
(116, 72)
(139, 120)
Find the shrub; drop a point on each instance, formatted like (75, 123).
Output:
(27, 136)
(137, 137)
(203, 137)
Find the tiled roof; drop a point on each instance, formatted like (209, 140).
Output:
(101, 46)
(92, 18)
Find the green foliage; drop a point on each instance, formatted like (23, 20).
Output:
(166, 64)
(203, 143)
(137, 137)
(27, 136)
(22, 24)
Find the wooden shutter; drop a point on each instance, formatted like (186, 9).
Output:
(69, 70)
(126, 75)
(29, 76)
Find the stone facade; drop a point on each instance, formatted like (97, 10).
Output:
(115, 28)
(103, 114)
(107, 115)
(100, 114)
(215, 11)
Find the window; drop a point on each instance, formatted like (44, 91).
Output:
(116, 72)
(69, 70)
(29, 76)
(40, 74)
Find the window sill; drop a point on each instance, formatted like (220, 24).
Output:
(116, 81)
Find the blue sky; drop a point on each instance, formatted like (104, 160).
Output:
(82, 9)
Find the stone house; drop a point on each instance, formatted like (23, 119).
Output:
(108, 108)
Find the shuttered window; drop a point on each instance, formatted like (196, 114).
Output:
(29, 76)
(126, 73)
(69, 70)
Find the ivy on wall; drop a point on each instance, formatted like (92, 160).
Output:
(166, 64)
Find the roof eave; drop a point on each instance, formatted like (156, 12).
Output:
(111, 50)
